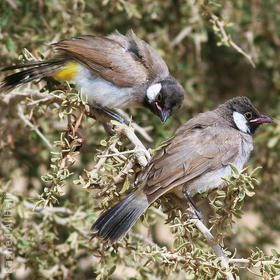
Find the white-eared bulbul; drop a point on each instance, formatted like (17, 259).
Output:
(114, 71)
(194, 160)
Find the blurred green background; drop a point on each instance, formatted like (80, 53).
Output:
(210, 70)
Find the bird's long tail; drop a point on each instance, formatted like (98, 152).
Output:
(117, 221)
(32, 71)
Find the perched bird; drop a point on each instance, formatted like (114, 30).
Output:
(114, 71)
(193, 161)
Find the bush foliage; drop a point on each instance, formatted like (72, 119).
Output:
(53, 188)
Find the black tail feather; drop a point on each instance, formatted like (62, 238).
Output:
(24, 65)
(35, 70)
(118, 220)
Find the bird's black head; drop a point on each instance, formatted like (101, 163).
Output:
(243, 115)
(164, 98)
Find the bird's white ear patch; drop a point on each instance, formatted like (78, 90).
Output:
(241, 122)
(153, 91)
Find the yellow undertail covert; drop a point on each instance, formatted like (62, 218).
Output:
(68, 72)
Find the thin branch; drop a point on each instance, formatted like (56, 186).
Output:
(183, 259)
(43, 101)
(124, 171)
(61, 210)
(17, 95)
(13, 4)
(32, 206)
(94, 172)
(227, 39)
(141, 130)
(210, 240)
(117, 154)
(116, 151)
(247, 261)
(78, 121)
(215, 246)
(183, 33)
(159, 212)
(249, 58)
(142, 238)
(4, 228)
(4, 252)
(141, 153)
(32, 127)
(52, 211)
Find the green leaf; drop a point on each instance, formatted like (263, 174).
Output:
(275, 253)
(9, 44)
(272, 142)
(103, 143)
(112, 270)
(249, 193)
(219, 203)
(5, 17)
(125, 186)
(21, 211)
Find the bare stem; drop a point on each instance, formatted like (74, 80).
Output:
(78, 121)
(249, 262)
(124, 171)
(141, 153)
(141, 130)
(215, 246)
(227, 39)
(183, 33)
(94, 172)
(117, 154)
(32, 127)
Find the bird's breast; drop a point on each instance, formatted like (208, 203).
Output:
(102, 92)
(209, 181)
(213, 179)
(97, 90)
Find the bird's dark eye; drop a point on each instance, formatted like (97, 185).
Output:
(159, 98)
(248, 115)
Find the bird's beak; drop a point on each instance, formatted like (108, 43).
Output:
(164, 115)
(262, 119)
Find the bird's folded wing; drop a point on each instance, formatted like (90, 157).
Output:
(115, 58)
(156, 66)
(189, 155)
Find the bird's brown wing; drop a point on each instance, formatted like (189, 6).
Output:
(157, 68)
(191, 153)
(122, 60)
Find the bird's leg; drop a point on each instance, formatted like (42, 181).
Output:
(104, 115)
(193, 204)
(111, 115)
